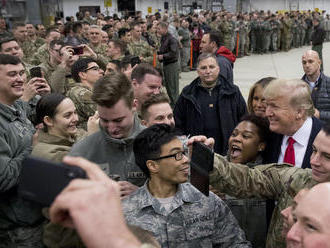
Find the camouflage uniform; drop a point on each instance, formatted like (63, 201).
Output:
(185, 50)
(20, 220)
(266, 30)
(274, 34)
(227, 32)
(61, 81)
(30, 48)
(295, 33)
(142, 49)
(286, 34)
(280, 182)
(243, 32)
(101, 49)
(42, 55)
(191, 220)
(82, 98)
(47, 69)
(247, 42)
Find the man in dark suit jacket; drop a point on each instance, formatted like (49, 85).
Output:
(290, 113)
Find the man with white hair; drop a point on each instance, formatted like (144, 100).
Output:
(319, 84)
(290, 113)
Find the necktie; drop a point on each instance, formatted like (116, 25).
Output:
(289, 152)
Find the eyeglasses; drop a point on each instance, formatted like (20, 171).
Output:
(178, 156)
(94, 68)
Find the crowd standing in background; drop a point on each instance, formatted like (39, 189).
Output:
(106, 88)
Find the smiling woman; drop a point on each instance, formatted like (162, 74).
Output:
(246, 145)
(59, 117)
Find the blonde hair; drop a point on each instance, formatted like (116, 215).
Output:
(296, 90)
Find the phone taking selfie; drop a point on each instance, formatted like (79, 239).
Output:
(201, 164)
(36, 72)
(78, 50)
(42, 180)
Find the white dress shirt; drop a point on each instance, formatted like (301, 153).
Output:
(301, 137)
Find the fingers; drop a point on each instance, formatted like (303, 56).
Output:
(92, 170)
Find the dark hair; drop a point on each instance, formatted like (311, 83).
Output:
(47, 106)
(147, 144)
(56, 42)
(6, 40)
(76, 26)
(17, 24)
(263, 83)
(122, 32)
(119, 43)
(262, 125)
(154, 99)
(108, 90)
(79, 66)
(6, 59)
(326, 128)
(126, 61)
(115, 62)
(215, 36)
(141, 70)
(51, 29)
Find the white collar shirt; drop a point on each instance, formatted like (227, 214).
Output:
(301, 137)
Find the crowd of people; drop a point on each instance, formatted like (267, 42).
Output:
(102, 93)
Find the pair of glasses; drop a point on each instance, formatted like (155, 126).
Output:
(94, 68)
(178, 156)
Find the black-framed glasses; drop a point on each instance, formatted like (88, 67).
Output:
(178, 156)
(94, 68)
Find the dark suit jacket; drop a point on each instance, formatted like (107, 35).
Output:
(273, 149)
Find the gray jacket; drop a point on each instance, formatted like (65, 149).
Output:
(115, 156)
(19, 219)
(193, 219)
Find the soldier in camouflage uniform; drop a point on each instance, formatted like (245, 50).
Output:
(266, 30)
(242, 31)
(87, 72)
(31, 46)
(95, 41)
(247, 23)
(226, 29)
(176, 213)
(274, 35)
(286, 33)
(185, 45)
(139, 47)
(42, 54)
(295, 32)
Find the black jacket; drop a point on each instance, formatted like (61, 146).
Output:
(318, 35)
(273, 148)
(231, 105)
(169, 48)
(321, 96)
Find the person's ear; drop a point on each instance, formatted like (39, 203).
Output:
(261, 147)
(144, 122)
(152, 166)
(48, 121)
(82, 75)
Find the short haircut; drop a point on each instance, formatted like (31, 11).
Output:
(17, 25)
(261, 123)
(6, 59)
(121, 44)
(50, 30)
(79, 66)
(204, 56)
(215, 36)
(141, 70)
(122, 32)
(297, 90)
(47, 106)
(148, 144)
(326, 128)
(115, 62)
(163, 24)
(263, 83)
(6, 40)
(76, 26)
(108, 90)
(56, 42)
(126, 61)
(153, 100)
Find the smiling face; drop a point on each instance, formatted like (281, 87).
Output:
(169, 170)
(320, 158)
(12, 48)
(259, 102)
(64, 123)
(13, 78)
(118, 120)
(244, 143)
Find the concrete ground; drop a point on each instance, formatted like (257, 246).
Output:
(249, 69)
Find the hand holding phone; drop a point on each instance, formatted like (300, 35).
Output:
(42, 180)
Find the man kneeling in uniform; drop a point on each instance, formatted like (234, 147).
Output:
(175, 212)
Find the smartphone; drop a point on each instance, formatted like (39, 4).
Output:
(135, 60)
(201, 164)
(35, 72)
(42, 180)
(78, 50)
